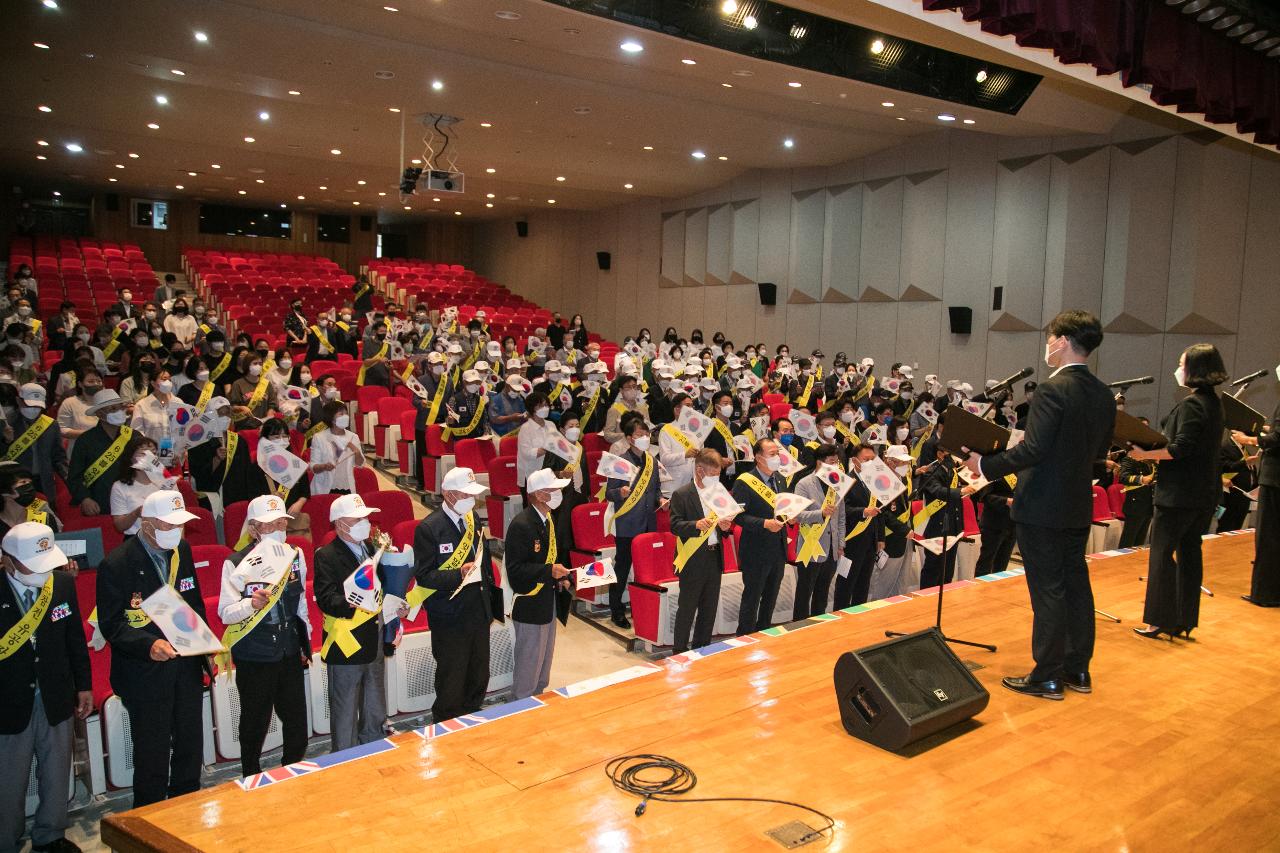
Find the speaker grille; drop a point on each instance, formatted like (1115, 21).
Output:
(911, 671)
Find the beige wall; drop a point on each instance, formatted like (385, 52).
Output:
(1170, 238)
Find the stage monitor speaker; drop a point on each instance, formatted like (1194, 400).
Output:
(768, 293)
(113, 202)
(604, 260)
(522, 229)
(961, 320)
(896, 692)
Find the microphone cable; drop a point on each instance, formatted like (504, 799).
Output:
(657, 777)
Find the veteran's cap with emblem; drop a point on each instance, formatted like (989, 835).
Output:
(31, 544)
(266, 508)
(167, 506)
(350, 506)
(462, 480)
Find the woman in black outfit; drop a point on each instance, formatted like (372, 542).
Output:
(1188, 485)
(1265, 589)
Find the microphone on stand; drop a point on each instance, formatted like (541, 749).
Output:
(1007, 384)
(1245, 380)
(1125, 383)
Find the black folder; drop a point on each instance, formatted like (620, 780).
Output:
(1242, 416)
(963, 429)
(1134, 431)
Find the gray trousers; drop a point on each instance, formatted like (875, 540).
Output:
(51, 747)
(357, 703)
(893, 578)
(535, 646)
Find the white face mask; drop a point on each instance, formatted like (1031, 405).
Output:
(217, 346)
(902, 434)
(846, 418)
(34, 579)
(554, 500)
(331, 393)
(1050, 353)
(114, 418)
(828, 432)
(726, 411)
(641, 443)
(542, 412)
(573, 433)
(83, 337)
(464, 506)
(274, 536)
(286, 364)
(165, 386)
(341, 421)
(472, 388)
(202, 376)
(360, 530)
(630, 395)
(772, 463)
(167, 540)
(437, 369)
(305, 377)
(1179, 375)
(255, 370)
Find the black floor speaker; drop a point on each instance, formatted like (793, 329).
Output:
(896, 692)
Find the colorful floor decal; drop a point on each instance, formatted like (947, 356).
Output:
(713, 649)
(479, 718)
(590, 685)
(779, 630)
(314, 765)
(933, 590)
(874, 605)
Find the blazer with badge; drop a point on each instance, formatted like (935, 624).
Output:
(641, 518)
(126, 577)
(58, 661)
(334, 564)
(686, 512)
(527, 544)
(757, 542)
(434, 543)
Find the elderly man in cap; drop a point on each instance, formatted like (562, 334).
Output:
(98, 457)
(44, 665)
(555, 382)
(593, 397)
(451, 559)
(506, 404)
(537, 555)
(161, 690)
(352, 648)
(269, 637)
(468, 408)
(438, 381)
(34, 440)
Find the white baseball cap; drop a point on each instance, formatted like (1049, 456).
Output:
(471, 376)
(435, 357)
(266, 508)
(350, 506)
(455, 348)
(898, 452)
(596, 367)
(516, 382)
(515, 363)
(867, 362)
(461, 480)
(732, 362)
(32, 394)
(552, 366)
(167, 506)
(494, 347)
(544, 478)
(482, 366)
(32, 544)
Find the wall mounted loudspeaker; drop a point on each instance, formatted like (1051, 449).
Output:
(522, 229)
(899, 691)
(113, 202)
(366, 223)
(961, 320)
(604, 260)
(768, 293)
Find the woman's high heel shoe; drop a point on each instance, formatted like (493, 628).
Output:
(1152, 633)
(1185, 633)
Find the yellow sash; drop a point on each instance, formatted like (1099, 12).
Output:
(918, 523)
(568, 470)
(847, 433)
(28, 437)
(551, 555)
(260, 391)
(864, 390)
(686, 548)
(556, 392)
(638, 489)
(22, 631)
(112, 345)
(38, 512)
(206, 394)
(407, 372)
(924, 436)
(108, 457)
(811, 534)
(803, 399)
(723, 429)
(365, 288)
(620, 408)
(322, 337)
(1012, 480)
(472, 357)
(674, 431)
(233, 440)
(754, 484)
(365, 364)
(461, 552)
(437, 399)
(862, 525)
(205, 328)
(591, 408)
(340, 631)
(137, 618)
(237, 630)
(220, 368)
(311, 433)
(447, 433)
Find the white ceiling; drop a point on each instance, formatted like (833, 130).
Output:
(107, 62)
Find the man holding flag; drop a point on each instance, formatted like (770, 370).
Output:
(268, 634)
(822, 530)
(700, 555)
(635, 505)
(536, 556)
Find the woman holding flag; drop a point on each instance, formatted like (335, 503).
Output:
(252, 397)
(635, 505)
(822, 530)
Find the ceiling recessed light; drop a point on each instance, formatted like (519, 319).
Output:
(294, 92)
(179, 187)
(457, 213)
(727, 85)
(133, 156)
(507, 16)
(886, 103)
(356, 203)
(749, 22)
(44, 109)
(203, 38)
(264, 116)
(490, 195)
(551, 201)
(153, 125)
(162, 100)
(488, 204)
(877, 47)
(177, 72)
(302, 198)
(56, 193)
(490, 170)
(74, 147)
(335, 151)
(407, 207)
(214, 166)
(788, 143)
(946, 117)
(981, 76)
(282, 204)
(628, 186)
(486, 124)
(324, 188)
(191, 174)
(729, 7)
(259, 181)
(437, 85)
(119, 165)
(391, 8)
(722, 157)
(795, 84)
(969, 121)
(41, 157)
(113, 180)
(415, 161)
(648, 148)
(631, 46)
(361, 183)
(381, 193)
(436, 198)
(42, 143)
(900, 118)
(50, 4)
(40, 45)
(699, 155)
(393, 109)
(560, 178)
(689, 61)
(249, 139)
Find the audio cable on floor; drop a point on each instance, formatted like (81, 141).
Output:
(667, 780)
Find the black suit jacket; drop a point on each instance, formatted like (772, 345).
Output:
(45, 453)
(1192, 478)
(527, 544)
(126, 577)
(686, 512)
(759, 547)
(1269, 442)
(1068, 434)
(334, 564)
(434, 542)
(58, 660)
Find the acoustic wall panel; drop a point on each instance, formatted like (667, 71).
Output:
(880, 262)
(695, 247)
(808, 230)
(1139, 222)
(1077, 230)
(745, 241)
(924, 235)
(971, 185)
(877, 335)
(1018, 253)
(719, 243)
(1259, 310)
(844, 243)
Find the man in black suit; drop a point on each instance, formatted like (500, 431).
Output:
(763, 549)
(1264, 591)
(1239, 479)
(43, 644)
(352, 648)
(536, 554)
(450, 557)
(1068, 433)
(162, 691)
(701, 573)
(36, 443)
(996, 527)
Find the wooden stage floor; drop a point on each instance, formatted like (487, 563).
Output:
(1176, 749)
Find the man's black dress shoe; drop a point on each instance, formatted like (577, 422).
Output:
(1256, 603)
(1080, 682)
(60, 845)
(622, 621)
(1051, 689)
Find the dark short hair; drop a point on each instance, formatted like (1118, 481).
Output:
(758, 448)
(825, 415)
(1080, 327)
(707, 457)
(715, 398)
(536, 399)
(824, 451)
(630, 421)
(680, 398)
(1204, 367)
(170, 277)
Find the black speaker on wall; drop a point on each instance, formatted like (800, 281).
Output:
(604, 260)
(522, 229)
(961, 319)
(113, 202)
(768, 293)
(896, 692)
(366, 223)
